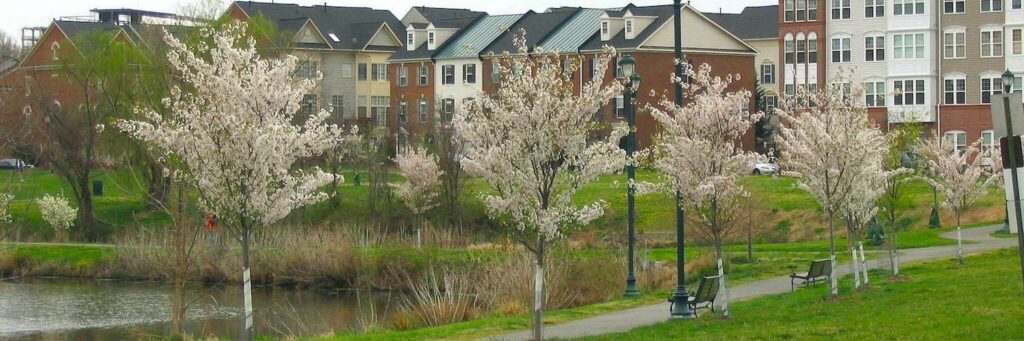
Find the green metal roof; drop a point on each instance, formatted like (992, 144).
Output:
(574, 33)
(479, 36)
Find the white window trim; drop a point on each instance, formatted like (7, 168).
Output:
(954, 31)
(954, 78)
(981, 41)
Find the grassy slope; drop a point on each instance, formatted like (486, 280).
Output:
(939, 301)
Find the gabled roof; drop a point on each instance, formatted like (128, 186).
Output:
(661, 13)
(354, 26)
(575, 32)
(433, 14)
(477, 37)
(538, 27)
(759, 22)
(422, 51)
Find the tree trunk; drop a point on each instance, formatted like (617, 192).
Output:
(86, 219)
(834, 282)
(722, 289)
(247, 316)
(538, 293)
(959, 243)
(864, 264)
(181, 264)
(851, 246)
(893, 257)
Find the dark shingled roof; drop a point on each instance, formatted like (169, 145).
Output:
(433, 14)
(354, 26)
(661, 13)
(537, 25)
(422, 52)
(74, 28)
(753, 23)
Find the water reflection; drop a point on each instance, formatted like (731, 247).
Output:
(92, 310)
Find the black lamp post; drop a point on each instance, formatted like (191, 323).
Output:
(628, 65)
(681, 306)
(1013, 149)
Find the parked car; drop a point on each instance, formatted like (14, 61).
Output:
(13, 164)
(765, 167)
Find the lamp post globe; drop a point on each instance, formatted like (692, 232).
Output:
(1007, 81)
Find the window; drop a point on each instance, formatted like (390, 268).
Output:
(874, 8)
(620, 107)
(380, 72)
(362, 104)
(629, 26)
(362, 71)
(874, 94)
(991, 43)
(955, 90)
(812, 49)
(379, 107)
(618, 69)
(953, 6)
(812, 9)
(907, 7)
(953, 44)
(801, 50)
(840, 9)
(790, 90)
(308, 106)
(469, 73)
(790, 13)
(770, 102)
(448, 74)
(908, 46)
(1015, 42)
(431, 38)
(55, 51)
(768, 74)
(410, 41)
(841, 50)
(874, 48)
(403, 111)
(990, 86)
(447, 109)
(909, 92)
(496, 72)
(991, 5)
(424, 75)
(593, 68)
(424, 110)
(988, 143)
(1015, 4)
(801, 10)
(346, 70)
(957, 139)
(338, 105)
(790, 50)
(604, 27)
(305, 69)
(403, 76)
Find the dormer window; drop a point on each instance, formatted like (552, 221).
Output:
(55, 50)
(604, 28)
(430, 38)
(411, 40)
(629, 26)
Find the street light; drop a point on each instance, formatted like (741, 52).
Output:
(1013, 147)
(680, 298)
(628, 65)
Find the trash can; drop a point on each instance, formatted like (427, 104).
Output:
(97, 188)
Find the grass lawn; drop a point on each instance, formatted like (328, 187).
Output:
(939, 300)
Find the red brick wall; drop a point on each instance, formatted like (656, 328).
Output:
(972, 119)
(412, 93)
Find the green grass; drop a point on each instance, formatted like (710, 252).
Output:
(936, 301)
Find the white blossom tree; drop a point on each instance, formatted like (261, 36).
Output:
(826, 139)
(532, 142)
(230, 132)
(959, 175)
(57, 212)
(862, 206)
(699, 154)
(422, 178)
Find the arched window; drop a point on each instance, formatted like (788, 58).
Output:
(812, 48)
(790, 49)
(801, 49)
(55, 51)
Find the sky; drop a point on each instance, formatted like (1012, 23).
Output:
(15, 14)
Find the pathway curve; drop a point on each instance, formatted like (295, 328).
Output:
(625, 320)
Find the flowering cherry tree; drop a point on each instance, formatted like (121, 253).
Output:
(826, 141)
(230, 133)
(700, 155)
(57, 212)
(422, 178)
(862, 204)
(532, 142)
(960, 176)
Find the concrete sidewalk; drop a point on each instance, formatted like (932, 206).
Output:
(625, 320)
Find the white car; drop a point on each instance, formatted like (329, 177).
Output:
(765, 167)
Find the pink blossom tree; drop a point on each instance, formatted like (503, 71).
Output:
(422, 178)
(826, 141)
(532, 142)
(699, 154)
(230, 133)
(959, 175)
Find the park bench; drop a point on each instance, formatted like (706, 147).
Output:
(819, 271)
(705, 295)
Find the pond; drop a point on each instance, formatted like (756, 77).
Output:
(61, 309)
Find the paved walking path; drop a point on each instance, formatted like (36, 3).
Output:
(625, 320)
